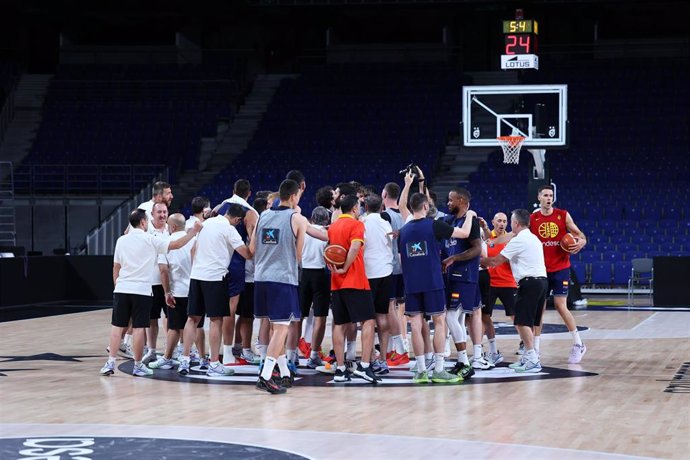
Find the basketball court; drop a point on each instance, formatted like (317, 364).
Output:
(627, 398)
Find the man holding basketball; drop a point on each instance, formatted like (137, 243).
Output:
(350, 291)
(550, 225)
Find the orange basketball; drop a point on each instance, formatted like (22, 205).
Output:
(335, 254)
(567, 242)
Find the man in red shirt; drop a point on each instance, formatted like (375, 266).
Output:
(350, 292)
(501, 285)
(550, 224)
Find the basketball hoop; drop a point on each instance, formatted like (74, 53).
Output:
(511, 148)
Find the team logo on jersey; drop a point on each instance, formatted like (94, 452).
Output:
(270, 235)
(417, 249)
(548, 230)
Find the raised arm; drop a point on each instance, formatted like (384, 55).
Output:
(464, 231)
(404, 195)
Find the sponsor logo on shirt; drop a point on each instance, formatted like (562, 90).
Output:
(548, 230)
(417, 249)
(270, 235)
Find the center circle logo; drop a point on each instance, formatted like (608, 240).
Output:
(548, 230)
(87, 447)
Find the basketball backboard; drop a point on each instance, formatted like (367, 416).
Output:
(537, 112)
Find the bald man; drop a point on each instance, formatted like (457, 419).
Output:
(176, 280)
(501, 285)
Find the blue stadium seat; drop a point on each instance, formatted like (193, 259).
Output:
(601, 273)
(621, 272)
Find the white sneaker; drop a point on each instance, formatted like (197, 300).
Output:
(494, 358)
(576, 353)
(480, 363)
(149, 357)
(141, 371)
(219, 371)
(528, 367)
(108, 368)
(250, 357)
(162, 363)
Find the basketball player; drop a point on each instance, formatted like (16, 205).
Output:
(159, 229)
(135, 255)
(350, 292)
(176, 280)
(200, 211)
(419, 249)
(397, 355)
(379, 267)
(550, 224)
(462, 272)
(208, 287)
(278, 244)
(315, 286)
(501, 285)
(236, 276)
(527, 264)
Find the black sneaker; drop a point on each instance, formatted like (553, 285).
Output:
(269, 386)
(342, 376)
(367, 374)
(286, 382)
(463, 370)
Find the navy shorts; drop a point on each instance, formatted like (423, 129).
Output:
(235, 279)
(208, 298)
(558, 282)
(397, 287)
(428, 302)
(279, 302)
(465, 295)
(131, 306)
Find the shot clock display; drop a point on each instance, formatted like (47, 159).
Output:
(521, 45)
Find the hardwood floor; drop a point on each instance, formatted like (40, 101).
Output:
(50, 384)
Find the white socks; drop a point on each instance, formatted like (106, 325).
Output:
(477, 352)
(283, 367)
(439, 362)
(462, 357)
(576, 337)
(398, 344)
(228, 357)
(492, 346)
(269, 364)
(537, 340)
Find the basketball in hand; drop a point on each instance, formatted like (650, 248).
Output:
(335, 254)
(568, 243)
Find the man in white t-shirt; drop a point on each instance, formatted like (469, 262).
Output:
(161, 192)
(201, 209)
(208, 288)
(379, 268)
(176, 282)
(136, 254)
(526, 256)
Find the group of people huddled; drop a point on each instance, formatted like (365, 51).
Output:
(406, 262)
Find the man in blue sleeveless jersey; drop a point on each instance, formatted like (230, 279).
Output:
(420, 249)
(462, 269)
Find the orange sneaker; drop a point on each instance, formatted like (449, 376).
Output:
(397, 359)
(304, 347)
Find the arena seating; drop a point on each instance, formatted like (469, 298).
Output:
(360, 122)
(129, 115)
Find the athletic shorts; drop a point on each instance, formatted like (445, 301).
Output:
(158, 304)
(131, 306)
(245, 306)
(177, 317)
(352, 306)
(484, 285)
(315, 291)
(529, 302)
(428, 303)
(465, 295)
(208, 298)
(507, 296)
(380, 293)
(279, 302)
(397, 287)
(235, 279)
(558, 282)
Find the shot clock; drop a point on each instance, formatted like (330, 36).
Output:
(520, 45)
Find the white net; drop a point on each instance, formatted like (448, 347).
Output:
(511, 146)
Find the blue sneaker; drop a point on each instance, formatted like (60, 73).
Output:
(292, 366)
